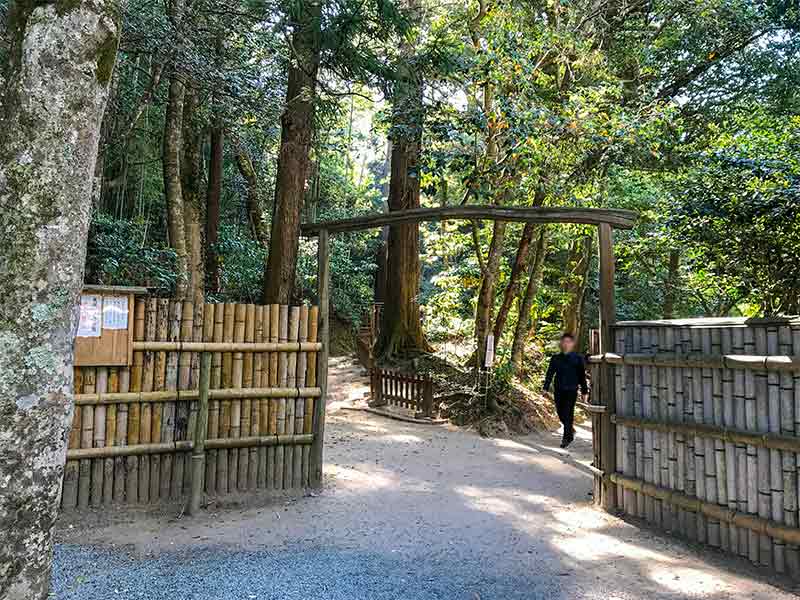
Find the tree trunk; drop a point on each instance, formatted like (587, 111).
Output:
(213, 197)
(520, 261)
(483, 312)
(401, 329)
(55, 91)
(671, 286)
(191, 185)
(297, 128)
(575, 282)
(173, 186)
(522, 330)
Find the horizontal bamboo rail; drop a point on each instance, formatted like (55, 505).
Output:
(734, 436)
(704, 361)
(179, 346)
(621, 219)
(188, 445)
(724, 514)
(592, 408)
(191, 395)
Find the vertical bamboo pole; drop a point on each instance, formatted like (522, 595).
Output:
(672, 415)
(323, 288)
(788, 459)
(87, 435)
(225, 405)
(240, 314)
(274, 333)
(299, 421)
(146, 414)
(199, 438)
(134, 410)
(283, 370)
(262, 380)
(172, 464)
(740, 407)
(111, 436)
(647, 435)
(69, 491)
(724, 382)
(213, 315)
(709, 449)
(311, 381)
(793, 558)
(99, 437)
(607, 320)
(185, 416)
(248, 457)
(751, 385)
(291, 381)
(121, 438)
(775, 457)
(160, 411)
(763, 454)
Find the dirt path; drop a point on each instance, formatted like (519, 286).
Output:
(413, 512)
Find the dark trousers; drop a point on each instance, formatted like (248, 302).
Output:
(565, 406)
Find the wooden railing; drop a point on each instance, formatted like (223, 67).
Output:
(403, 390)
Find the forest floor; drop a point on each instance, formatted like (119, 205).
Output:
(408, 511)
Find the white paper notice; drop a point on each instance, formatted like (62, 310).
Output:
(89, 325)
(115, 312)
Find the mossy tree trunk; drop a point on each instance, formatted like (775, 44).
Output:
(297, 130)
(575, 282)
(55, 88)
(522, 330)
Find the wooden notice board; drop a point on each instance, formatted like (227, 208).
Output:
(105, 331)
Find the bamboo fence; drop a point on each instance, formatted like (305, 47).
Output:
(135, 437)
(708, 432)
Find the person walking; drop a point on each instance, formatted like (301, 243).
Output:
(567, 373)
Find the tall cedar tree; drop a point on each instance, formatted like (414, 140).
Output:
(297, 129)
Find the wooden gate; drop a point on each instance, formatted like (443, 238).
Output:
(410, 391)
(705, 419)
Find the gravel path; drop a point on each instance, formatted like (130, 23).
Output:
(409, 511)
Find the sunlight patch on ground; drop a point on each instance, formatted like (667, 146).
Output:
(402, 438)
(596, 546)
(684, 580)
(358, 481)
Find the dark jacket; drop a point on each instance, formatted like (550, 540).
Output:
(569, 372)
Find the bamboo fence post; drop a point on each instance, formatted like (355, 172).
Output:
(291, 381)
(99, 438)
(310, 403)
(225, 416)
(185, 415)
(280, 451)
(262, 380)
(240, 314)
(87, 435)
(248, 457)
(69, 493)
(714, 532)
(323, 288)
(739, 408)
(791, 479)
(121, 437)
(274, 332)
(763, 454)
(201, 429)
(724, 391)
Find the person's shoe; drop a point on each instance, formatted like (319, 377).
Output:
(565, 441)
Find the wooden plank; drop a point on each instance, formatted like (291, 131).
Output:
(607, 309)
(323, 293)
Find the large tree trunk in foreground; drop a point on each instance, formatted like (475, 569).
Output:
(193, 200)
(54, 95)
(483, 312)
(297, 129)
(522, 330)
